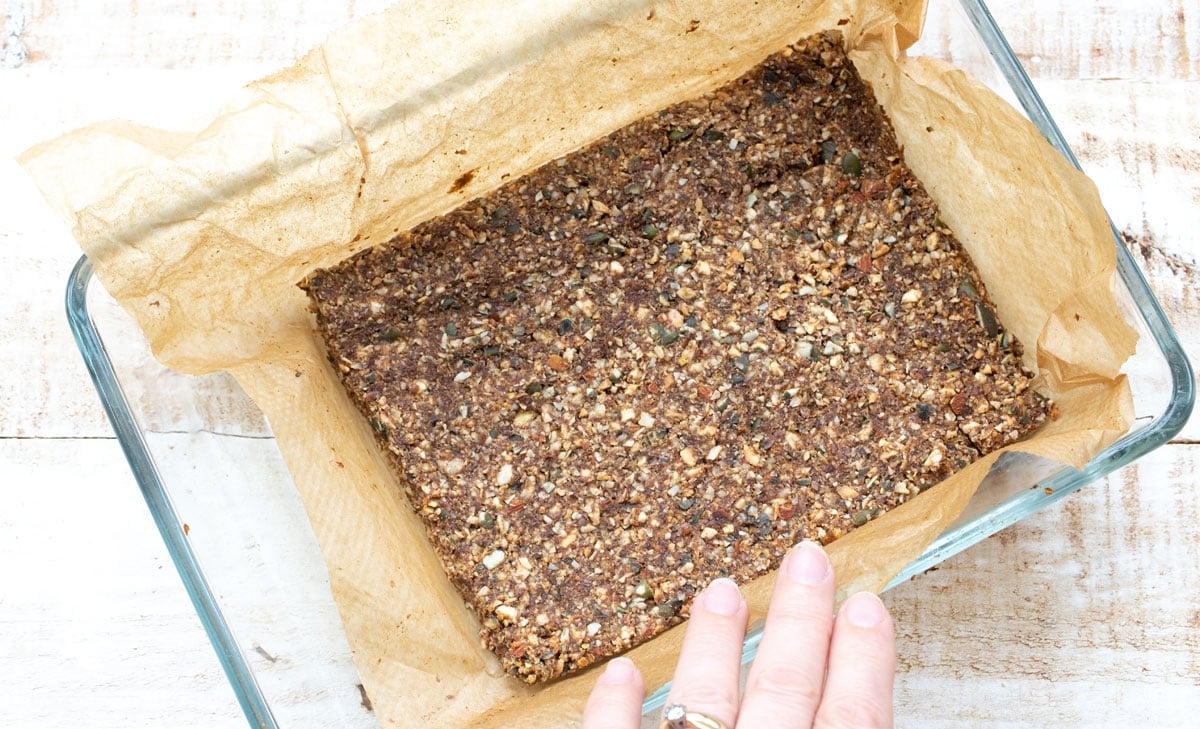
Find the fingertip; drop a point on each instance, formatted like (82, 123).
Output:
(723, 597)
(807, 563)
(864, 610)
(616, 698)
(862, 666)
(619, 671)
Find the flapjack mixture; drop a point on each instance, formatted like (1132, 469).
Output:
(670, 356)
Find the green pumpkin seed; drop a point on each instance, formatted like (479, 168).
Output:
(828, 152)
(851, 164)
(987, 319)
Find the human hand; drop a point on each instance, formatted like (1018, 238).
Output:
(813, 671)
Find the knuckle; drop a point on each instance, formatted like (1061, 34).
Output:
(853, 712)
(789, 688)
(708, 697)
(802, 617)
(801, 603)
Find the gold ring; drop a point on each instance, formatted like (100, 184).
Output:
(676, 716)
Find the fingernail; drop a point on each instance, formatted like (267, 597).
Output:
(618, 671)
(864, 610)
(722, 597)
(808, 563)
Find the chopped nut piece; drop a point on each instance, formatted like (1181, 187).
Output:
(452, 467)
(934, 459)
(493, 560)
(688, 456)
(752, 456)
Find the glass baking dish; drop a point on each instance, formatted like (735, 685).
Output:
(220, 494)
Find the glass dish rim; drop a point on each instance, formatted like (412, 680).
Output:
(1128, 448)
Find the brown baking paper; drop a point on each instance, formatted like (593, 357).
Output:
(405, 115)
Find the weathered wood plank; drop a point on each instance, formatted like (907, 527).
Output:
(1056, 39)
(1083, 615)
(95, 619)
(1140, 142)
(1111, 39)
(95, 627)
(175, 33)
(1148, 40)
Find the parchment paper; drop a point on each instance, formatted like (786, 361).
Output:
(402, 116)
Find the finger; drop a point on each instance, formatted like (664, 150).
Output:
(862, 667)
(783, 689)
(616, 699)
(706, 678)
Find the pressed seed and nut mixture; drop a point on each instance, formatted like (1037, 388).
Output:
(728, 327)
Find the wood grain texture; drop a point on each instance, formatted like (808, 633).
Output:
(1084, 615)
(1054, 39)
(1157, 40)
(175, 33)
(95, 627)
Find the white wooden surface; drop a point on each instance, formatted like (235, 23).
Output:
(1087, 614)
